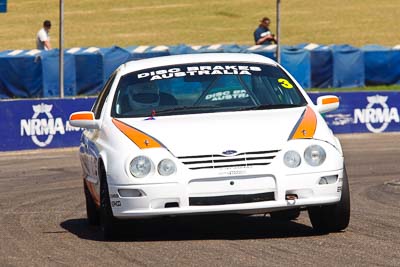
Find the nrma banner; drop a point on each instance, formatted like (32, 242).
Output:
(32, 124)
(363, 112)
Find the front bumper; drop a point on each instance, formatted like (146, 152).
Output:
(250, 194)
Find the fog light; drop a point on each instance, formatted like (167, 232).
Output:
(130, 192)
(331, 179)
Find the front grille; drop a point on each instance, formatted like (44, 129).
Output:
(221, 161)
(233, 199)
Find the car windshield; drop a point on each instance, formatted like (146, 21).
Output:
(203, 88)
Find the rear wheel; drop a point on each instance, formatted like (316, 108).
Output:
(92, 212)
(107, 220)
(285, 215)
(333, 218)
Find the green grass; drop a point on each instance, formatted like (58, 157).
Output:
(104, 23)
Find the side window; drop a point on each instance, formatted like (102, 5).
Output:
(98, 105)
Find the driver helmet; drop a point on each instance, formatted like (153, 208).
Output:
(143, 95)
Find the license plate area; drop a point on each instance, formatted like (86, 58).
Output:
(228, 186)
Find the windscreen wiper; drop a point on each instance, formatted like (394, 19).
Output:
(273, 106)
(184, 108)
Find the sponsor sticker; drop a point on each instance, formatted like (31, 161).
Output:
(42, 127)
(227, 95)
(199, 71)
(366, 113)
(377, 114)
(116, 203)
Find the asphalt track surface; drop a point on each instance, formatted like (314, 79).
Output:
(43, 221)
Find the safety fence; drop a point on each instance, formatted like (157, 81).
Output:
(43, 123)
(35, 73)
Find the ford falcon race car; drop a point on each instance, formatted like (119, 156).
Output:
(210, 134)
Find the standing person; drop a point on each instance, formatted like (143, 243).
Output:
(262, 35)
(43, 37)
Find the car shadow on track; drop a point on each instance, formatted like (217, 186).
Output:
(195, 228)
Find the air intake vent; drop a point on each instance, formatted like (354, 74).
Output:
(235, 199)
(220, 161)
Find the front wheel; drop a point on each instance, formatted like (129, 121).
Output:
(332, 218)
(92, 211)
(107, 219)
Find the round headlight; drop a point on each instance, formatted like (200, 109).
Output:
(314, 155)
(140, 166)
(166, 167)
(291, 159)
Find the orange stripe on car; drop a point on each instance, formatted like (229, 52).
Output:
(81, 116)
(141, 139)
(305, 127)
(330, 100)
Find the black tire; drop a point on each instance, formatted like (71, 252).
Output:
(92, 212)
(285, 215)
(332, 218)
(107, 220)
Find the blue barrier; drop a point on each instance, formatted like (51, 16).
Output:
(264, 50)
(142, 52)
(20, 74)
(94, 65)
(89, 71)
(3, 6)
(298, 62)
(181, 49)
(50, 71)
(32, 124)
(34, 73)
(382, 65)
(321, 65)
(348, 66)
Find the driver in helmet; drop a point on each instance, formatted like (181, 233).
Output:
(143, 95)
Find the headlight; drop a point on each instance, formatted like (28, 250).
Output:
(166, 167)
(314, 155)
(291, 159)
(140, 166)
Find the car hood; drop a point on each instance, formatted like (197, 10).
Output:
(214, 133)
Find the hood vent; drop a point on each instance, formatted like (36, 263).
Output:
(221, 161)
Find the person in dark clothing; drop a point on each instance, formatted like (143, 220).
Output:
(262, 35)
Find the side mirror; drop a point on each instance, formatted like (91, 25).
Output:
(84, 119)
(327, 103)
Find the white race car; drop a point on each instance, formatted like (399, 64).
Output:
(210, 134)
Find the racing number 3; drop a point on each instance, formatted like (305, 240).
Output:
(285, 83)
